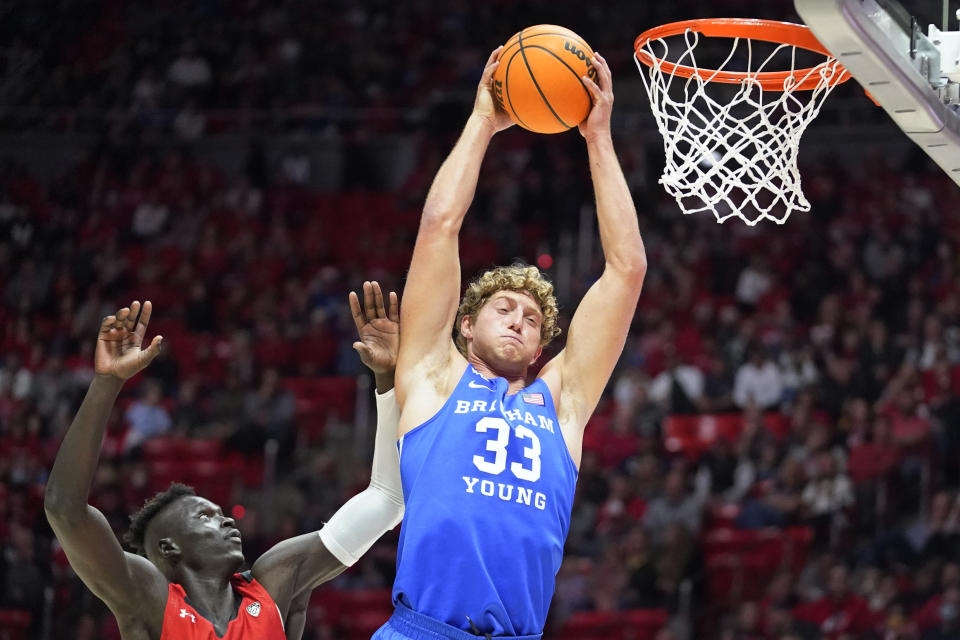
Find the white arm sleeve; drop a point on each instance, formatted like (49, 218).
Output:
(377, 509)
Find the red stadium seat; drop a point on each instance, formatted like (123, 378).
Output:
(362, 624)
(335, 394)
(724, 578)
(201, 448)
(251, 469)
(158, 449)
(722, 516)
(163, 472)
(363, 611)
(636, 624)
(797, 547)
(589, 625)
(777, 423)
(14, 624)
(766, 542)
(741, 563)
(365, 599)
(214, 480)
(691, 435)
(642, 624)
(721, 425)
(680, 435)
(324, 607)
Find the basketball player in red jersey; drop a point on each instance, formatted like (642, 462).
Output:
(182, 584)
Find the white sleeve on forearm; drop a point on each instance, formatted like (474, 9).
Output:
(368, 515)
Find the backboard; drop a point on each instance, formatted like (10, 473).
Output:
(911, 70)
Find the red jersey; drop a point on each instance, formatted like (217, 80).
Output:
(258, 617)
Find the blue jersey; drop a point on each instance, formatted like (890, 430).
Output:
(488, 483)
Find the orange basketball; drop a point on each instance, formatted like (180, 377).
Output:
(538, 81)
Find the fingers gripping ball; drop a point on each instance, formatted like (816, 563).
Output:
(538, 81)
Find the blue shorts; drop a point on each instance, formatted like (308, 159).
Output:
(407, 624)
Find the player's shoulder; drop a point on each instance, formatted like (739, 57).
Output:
(552, 375)
(563, 389)
(148, 593)
(439, 374)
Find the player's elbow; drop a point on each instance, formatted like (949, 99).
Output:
(57, 508)
(631, 265)
(397, 517)
(393, 507)
(440, 220)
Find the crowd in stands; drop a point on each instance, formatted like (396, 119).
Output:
(776, 456)
(190, 68)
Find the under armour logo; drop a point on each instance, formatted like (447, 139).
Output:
(253, 609)
(184, 614)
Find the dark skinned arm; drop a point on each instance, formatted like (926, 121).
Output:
(130, 585)
(293, 568)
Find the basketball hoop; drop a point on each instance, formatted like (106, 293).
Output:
(734, 151)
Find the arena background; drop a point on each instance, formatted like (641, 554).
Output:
(245, 164)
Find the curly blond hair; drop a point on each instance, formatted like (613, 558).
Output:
(517, 277)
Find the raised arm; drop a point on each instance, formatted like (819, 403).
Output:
(433, 283)
(129, 584)
(601, 322)
(292, 568)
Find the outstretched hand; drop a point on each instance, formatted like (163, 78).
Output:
(598, 122)
(378, 328)
(118, 351)
(485, 106)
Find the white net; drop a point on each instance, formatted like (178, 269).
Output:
(734, 152)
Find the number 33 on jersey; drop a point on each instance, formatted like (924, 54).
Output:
(488, 474)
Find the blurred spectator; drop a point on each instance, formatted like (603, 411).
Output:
(799, 370)
(840, 612)
(633, 408)
(607, 580)
(679, 387)
(754, 281)
(16, 378)
(945, 412)
(779, 503)
(876, 456)
(938, 536)
(621, 510)
(780, 592)
(679, 560)
(150, 216)
(268, 415)
(147, 417)
(827, 498)
(947, 618)
(23, 579)
(725, 474)
(56, 388)
(295, 166)
(640, 562)
(190, 124)
(677, 505)
(189, 70)
(758, 382)
(746, 625)
(188, 417)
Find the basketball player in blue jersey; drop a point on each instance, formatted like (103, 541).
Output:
(488, 458)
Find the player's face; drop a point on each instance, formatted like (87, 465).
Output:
(207, 536)
(506, 330)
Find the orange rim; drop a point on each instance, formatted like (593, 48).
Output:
(788, 33)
